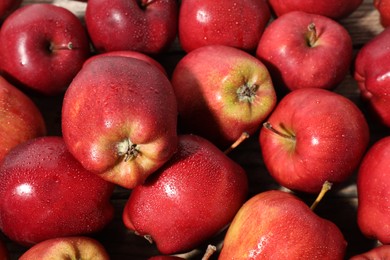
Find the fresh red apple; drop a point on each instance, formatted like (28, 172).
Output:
(119, 119)
(233, 23)
(383, 7)
(334, 9)
(313, 135)
(222, 92)
(74, 247)
(42, 47)
(377, 253)
(20, 118)
(372, 70)
(303, 50)
(45, 193)
(7, 7)
(139, 25)
(189, 199)
(373, 213)
(3, 251)
(277, 225)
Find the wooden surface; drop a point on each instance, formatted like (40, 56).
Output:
(338, 206)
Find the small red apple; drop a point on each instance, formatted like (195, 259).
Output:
(45, 193)
(80, 247)
(383, 7)
(377, 253)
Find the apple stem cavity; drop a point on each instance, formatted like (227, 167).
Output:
(240, 139)
(209, 252)
(312, 35)
(269, 126)
(247, 92)
(325, 188)
(128, 150)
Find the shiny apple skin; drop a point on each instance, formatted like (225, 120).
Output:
(373, 214)
(383, 7)
(233, 23)
(277, 225)
(331, 137)
(34, 48)
(372, 70)
(190, 199)
(144, 26)
(45, 193)
(20, 118)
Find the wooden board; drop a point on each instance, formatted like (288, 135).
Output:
(338, 206)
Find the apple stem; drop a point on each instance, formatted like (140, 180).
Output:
(312, 35)
(149, 238)
(68, 46)
(325, 188)
(209, 252)
(240, 139)
(269, 126)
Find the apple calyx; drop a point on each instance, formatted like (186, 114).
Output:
(128, 150)
(325, 188)
(247, 92)
(311, 36)
(269, 126)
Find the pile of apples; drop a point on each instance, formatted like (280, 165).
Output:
(254, 69)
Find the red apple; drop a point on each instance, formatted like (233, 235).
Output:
(277, 225)
(383, 7)
(334, 9)
(139, 25)
(7, 7)
(130, 106)
(45, 193)
(377, 253)
(233, 23)
(372, 70)
(20, 118)
(313, 135)
(373, 184)
(222, 92)
(190, 199)
(42, 47)
(303, 50)
(75, 247)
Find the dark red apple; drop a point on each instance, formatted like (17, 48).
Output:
(190, 199)
(7, 7)
(139, 25)
(42, 47)
(45, 193)
(383, 7)
(312, 136)
(233, 23)
(377, 253)
(20, 118)
(119, 119)
(303, 50)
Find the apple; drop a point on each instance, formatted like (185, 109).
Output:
(383, 7)
(20, 118)
(313, 135)
(139, 25)
(372, 70)
(46, 193)
(222, 92)
(74, 247)
(334, 9)
(3, 251)
(379, 252)
(275, 224)
(189, 199)
(119, 119)
(233, 23)
(42, 47)
(303, 50)
(7, 7)
(373, 192)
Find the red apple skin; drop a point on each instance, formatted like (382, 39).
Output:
(372, 69)
(132, 110)
(75, 247)
(285, 49)
(377, 253)
(383, 7)
(206, 82)
(373, 192)
(333, 9)
(277, 225)
(238, 24)
(190, 199)
(7, 7)
(20, 118)
(54, 44)
(145, 26)
(45, 193)
(330, 136)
